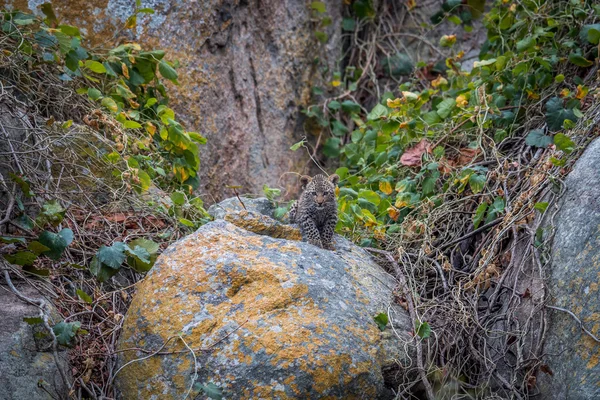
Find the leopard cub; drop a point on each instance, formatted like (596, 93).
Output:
(316, 210)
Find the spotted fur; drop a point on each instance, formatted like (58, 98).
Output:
(316, 210)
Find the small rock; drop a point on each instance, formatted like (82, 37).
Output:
(260, 205)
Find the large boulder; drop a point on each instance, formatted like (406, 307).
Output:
(22, 363)
(572, 355)
(266, 318)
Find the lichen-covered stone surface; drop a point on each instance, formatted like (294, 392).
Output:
(573, 356)
(268, 318)
(260, 205)
(22, 366)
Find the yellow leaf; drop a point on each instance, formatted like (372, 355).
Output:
(403, 200)
(582, 91)
(565, 92)
(385, 187)
(439, 81)
(125, 70)
(393, 213)
(336, 83)
(394, 103)
(532, 95)
(447, 40)
(410, 96)
(411, 4)
(461, 101)
(150, 128)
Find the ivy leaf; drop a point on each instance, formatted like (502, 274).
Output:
(338, 128)
(370, 196)
(84, 296)
(51, 213)
(101, 271)
(579, 60)
(593, 36)
(167, 71)
(479, 213)
(586, 33)
(56, 243)
(151, 249)
(541, 207)
(476, 183)
(296, 146)
(139, 253)
(556, 114)
(109, 103)
(37, 248)
(423, 330)
(381, 320)
(536, 138)
(21, 258)
(444, 108)
(350, 107)
(112, 256)
(66, 331)
(210, 389)
(332, 147)
(95, 66)
(94, 94)
(377, 112)
(564, 143)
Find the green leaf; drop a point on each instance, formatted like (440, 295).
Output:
(536, 138)
(296, 146)
(423, 330)
(151, 248)
(49, 13)
(94, 94)
(321, 36)
(377, 112)
(579, 60)
(146, 10)
(21, 258)
(381, 320)
(593, 36)
(318, 6)
(101, 271)
(9, 240)
(476, 183)
(370, 196)
(541, 207)
(431, 118)
(131, 124)
(559, 78)
(167, 71)
(444, 107)
(348, 24)
(397, 65)
(585, 35)
(187, 222)
(334, 105)
(57, 243)
(145, 181)
(110, 104)
(84, 296)
(37, 248)
(66, 331)
(338, 129)
(332, 147)
(198, 138)
(51, 213)
(350, 107)
(139, 253)
(479, 214)
(33, 320)
(210, 389)
(564, 143)
(178, 198)
(113, 256)
(69, 30)
(342, 172)
(271, 193)
(556, 114)
(95, 66)
(525, 44)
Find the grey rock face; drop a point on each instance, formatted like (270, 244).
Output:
(573, 356)
(260, 205)
(21, 364)
(282, 319)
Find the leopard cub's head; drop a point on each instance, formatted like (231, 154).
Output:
(320, 189)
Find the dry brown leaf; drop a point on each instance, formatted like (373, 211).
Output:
(412, 156)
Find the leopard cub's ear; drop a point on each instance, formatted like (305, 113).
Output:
(334, 179)
(305, 179)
